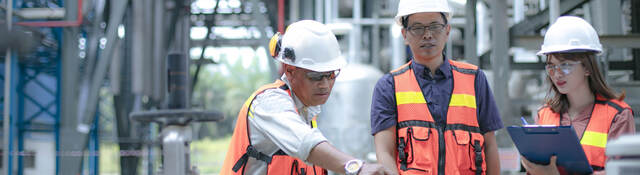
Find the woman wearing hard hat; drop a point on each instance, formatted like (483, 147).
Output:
(434, 115)
(578, 95)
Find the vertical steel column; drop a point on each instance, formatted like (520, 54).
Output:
(294, 12)
(554, 10)
(328, 15)
(175, 160)
(607, 20)
(635, 28)
(159, 66)
(178, 76)
(159, 63)
(319, 8)
(449, 48)
(70, 66)
(306, 10)
(124, 101)
(500, 64)
(7, 96)
(375, 35)
(94, 148)
(397, 46)
(141, 47)
(518, 11)
(470, 40)
(355, 36)
(262, 26)
(58, 107)
(138, 42)
(19, 120)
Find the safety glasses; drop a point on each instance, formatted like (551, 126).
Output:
(419, 30)
(318, 76)
(564, 68)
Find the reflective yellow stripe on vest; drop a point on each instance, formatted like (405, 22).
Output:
(409, 98)
(463, 100)
(596, 139)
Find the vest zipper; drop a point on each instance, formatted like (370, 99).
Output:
(441, 148)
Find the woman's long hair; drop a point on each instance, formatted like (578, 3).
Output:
(559, 102)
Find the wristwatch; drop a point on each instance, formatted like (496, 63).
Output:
(352, 167)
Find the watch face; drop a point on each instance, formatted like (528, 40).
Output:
(353, 166)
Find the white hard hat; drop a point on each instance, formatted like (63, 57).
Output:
(570, 34)
(408, 7)
(310, 45)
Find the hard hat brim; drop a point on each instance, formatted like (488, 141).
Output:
(332, 65)
(573, 49)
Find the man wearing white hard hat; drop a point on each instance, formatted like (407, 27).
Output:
(434, 115)
(580, 97)
(276, 130)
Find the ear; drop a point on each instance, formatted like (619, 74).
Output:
(448, 28)
(288, 70)
(404, 35)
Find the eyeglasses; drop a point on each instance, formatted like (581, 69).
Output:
(419, 30)
(318, 76)
(564, 68)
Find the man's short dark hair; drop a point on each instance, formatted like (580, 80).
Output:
(405, 20)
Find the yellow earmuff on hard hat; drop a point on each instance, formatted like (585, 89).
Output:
(274, 45)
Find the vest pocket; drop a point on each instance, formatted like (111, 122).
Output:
(469, 151)
(280, 164)
(477, 152)
(419, 148)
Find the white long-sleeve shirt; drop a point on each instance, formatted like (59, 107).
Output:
(276, 125)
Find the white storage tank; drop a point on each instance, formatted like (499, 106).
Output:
(345, 117)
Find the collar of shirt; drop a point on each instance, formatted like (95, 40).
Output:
(308, 112)
(423, 71)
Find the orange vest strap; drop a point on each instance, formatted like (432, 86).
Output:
(426, 124)
(463, 65)
(612, 104)
(401, 69)
(547, 117)
(465, 71)
(463, 127)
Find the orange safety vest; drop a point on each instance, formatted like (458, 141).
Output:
(594, 138)
(240, 149)
(423, 146)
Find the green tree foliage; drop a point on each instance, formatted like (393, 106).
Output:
(217, 90)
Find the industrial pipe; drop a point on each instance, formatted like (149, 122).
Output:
(75, 23)
(281, 16)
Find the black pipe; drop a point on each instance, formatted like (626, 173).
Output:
(177, 79)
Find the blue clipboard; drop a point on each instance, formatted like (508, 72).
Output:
(539, 143)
